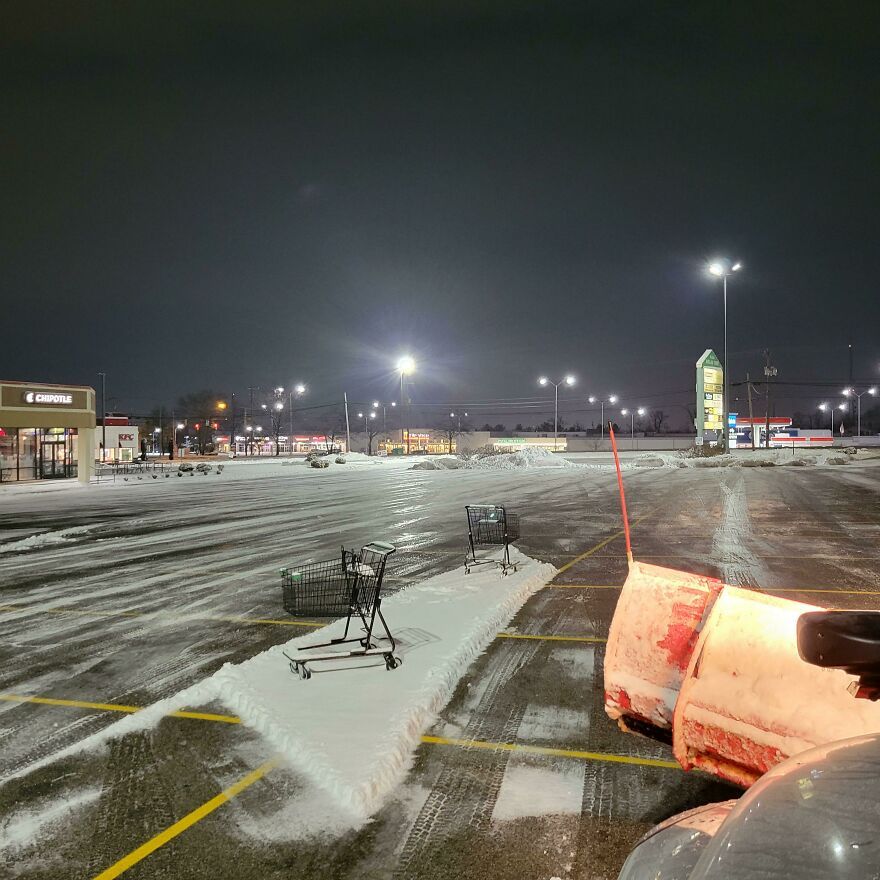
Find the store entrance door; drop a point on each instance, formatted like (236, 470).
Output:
(54, 461)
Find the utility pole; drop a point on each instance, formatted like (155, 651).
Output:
(850, 364)
(103, 415)
(347, 426)
(751, 412)
(769, 372)
(231, 424)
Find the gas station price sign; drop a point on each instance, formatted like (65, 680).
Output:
(710, 395)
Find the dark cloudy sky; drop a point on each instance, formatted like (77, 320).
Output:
(235, 194)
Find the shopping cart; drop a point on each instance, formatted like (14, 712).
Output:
(490, 525)
(351, 586)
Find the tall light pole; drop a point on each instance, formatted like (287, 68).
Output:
(612, 399)
(826, 408)
(566, 380)
(405, 366)
(632, 423)
(723, 269)
(103, 414)
(851, 392)
(298, 390)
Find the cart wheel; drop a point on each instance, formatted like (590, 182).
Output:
(294, 667)
(304, 673)
(392, 662)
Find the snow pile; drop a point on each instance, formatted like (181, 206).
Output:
(527, 457)
(740, 458)
(443, 463)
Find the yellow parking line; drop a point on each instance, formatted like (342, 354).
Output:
(601, 544)
(146, 849)
(584, 586)
(550, 638)
(819, 590)
(158, 615)
(77, 704)
(114, 707)
(544, 750)
(427, 740)
(187, 821)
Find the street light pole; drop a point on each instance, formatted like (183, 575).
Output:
(612, 399)
(103, 415)
(404, 365)
(850, 392)
(567, 380)
(722, 269)
(823, 407)
(555, 415)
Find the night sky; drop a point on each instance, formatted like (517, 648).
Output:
(228, 195)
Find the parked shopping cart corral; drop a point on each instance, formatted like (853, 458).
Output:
(349, 586)
(491, 525)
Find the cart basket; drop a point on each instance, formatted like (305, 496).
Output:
(491, 524)
(321, 589)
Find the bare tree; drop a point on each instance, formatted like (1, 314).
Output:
(276, 412)
(372, 433)
(657, 417)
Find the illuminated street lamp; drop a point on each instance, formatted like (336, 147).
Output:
(829, 409)
(452, 416)
(612, 399)
(723, 269)
(384, 406)
(566, 380)
(632, 422)
(851, 392)
(405, 366)
(298, 391)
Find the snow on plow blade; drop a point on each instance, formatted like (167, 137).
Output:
(652, 638)
(718, 667)
(748, 701)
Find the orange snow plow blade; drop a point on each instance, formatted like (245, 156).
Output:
(718, 668)
(715, 670)
(650, 644)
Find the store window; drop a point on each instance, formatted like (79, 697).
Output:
(27, 453)
(8, 454)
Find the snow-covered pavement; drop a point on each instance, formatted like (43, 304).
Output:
(124, 595)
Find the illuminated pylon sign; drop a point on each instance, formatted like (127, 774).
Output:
(710, 396)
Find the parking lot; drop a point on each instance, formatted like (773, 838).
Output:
(116, 596)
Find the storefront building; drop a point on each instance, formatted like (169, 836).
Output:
(46, 431)
(122, 439)
(423, 441)
(257, 443)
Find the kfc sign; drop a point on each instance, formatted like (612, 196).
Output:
(128, 437)
(48, 397)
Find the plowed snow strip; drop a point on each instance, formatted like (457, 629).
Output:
(353, 728)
